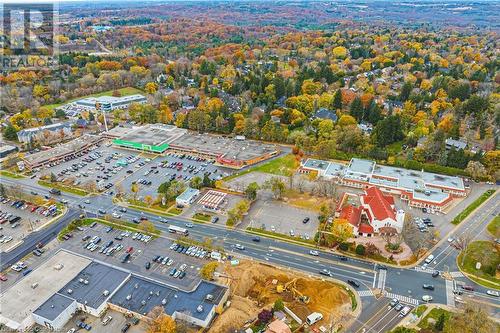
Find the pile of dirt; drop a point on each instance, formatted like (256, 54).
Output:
(254, 287)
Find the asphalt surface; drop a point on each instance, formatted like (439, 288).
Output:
(400, 283)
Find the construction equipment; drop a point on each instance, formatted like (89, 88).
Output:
(290, 286)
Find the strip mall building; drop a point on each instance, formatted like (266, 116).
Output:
(417, 188)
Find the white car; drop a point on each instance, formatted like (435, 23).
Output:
(427, 298)
(239, 247)
(72, 330)
(314, 253)
(493, 293)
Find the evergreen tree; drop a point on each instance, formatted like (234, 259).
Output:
(337, 100)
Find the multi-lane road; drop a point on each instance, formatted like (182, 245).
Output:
(404, 284)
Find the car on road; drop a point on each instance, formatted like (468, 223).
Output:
(435, 274)
(189, 225)
(314, 253)
(493, 293)
(87, 201)
(353, 283)
(343, 258)
(468, 288)
(72, 330)
(393, 302)
(451, 239)
(256, 239)
(429, 259)
(3, 278)
(325, 272)
(398, 307)
(148, 265)
(427, 298)
(428, 286)
(214, 219)
(239, 247)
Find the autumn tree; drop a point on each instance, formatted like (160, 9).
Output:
(473, 319)
(147, 226)
(208, 270)
(159, 322)
(251, 191)
(276, 185)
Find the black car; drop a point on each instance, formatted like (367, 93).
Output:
(148, 265)
(256, 239)
(343, 258)
(353, 283)
(125, 327)
(428, 286)
(307, 219)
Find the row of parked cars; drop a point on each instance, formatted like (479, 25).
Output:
(423, 224)
(192, 251)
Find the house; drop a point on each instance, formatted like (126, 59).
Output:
(278, 326)
(324, 113)
(187, 197)
(375, 213)
(456, 144)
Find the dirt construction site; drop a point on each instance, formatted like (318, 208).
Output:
(256, 286)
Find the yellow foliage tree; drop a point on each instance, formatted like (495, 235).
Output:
(159, 322)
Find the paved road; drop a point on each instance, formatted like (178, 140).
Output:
(403, 284)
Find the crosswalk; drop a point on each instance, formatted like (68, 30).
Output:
(456, 274)
(424, 270)
(402, 299)
(365, 293)
(381, 279)
(450, 297)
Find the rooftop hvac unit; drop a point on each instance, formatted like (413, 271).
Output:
(209, 297)
(128, 298)
(105, 292)
(85, 281)
(151, 293)
(80, 280)
(163, 301)
(70, 291)
(199, 308)
(136, 286)
(143, 302)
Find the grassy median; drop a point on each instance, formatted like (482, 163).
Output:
(63, 188)
(470, 208)
(488, 255)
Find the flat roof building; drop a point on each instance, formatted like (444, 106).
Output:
(58, 130)
(187, 197)
(91, 286)
(419, 188)
(229, 152)
(213, 200)
(62, 152)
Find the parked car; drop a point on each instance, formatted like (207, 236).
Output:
(125, 327)
(106, 320)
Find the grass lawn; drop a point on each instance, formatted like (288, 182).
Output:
(64, 188)
(175, 211)
(470, 208)
(494, 227)
(124, 91)
(304, 200)
(11, 174)
(283, 166)
(418, 311)
(202, 217)
(487, 254)
(433, 314)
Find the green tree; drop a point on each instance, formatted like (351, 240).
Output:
(360, 249)
(10, 133)
(337, 99)
(251, 191)
(276, 185)
(387, 131)
(196, 182)
(356, 109)
(278, 305)
(439, 326)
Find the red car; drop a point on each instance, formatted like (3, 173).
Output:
(130, 249)
(469, 288)
(3, 277)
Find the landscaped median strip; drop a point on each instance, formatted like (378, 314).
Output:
(285, 238)
(64, 188)
(11, 174)
(470, 208)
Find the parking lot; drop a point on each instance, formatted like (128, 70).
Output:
(153, 258)
(18, 218)
(105, 166)
(278, 217)
(118, 321)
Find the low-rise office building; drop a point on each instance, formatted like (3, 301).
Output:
(418, 188)
(187, 197)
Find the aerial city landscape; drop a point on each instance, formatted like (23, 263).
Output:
(250, 166)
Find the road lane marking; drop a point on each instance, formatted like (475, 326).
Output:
(450, 296)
